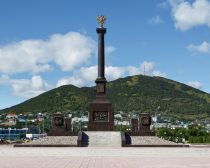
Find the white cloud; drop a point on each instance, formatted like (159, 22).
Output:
(71, 50)
(26, 88)
(4, 79)
(156, 20)
(158, 73)
(195, 84)
(146, 67)
(71, 80)
(88, 73)
(133, 70)
(86, 76)
(113, 73)
(187, 15)
(66, 50)
(202, 48)
(174, 3)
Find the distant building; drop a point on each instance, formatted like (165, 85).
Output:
(84, 119)
(156, 118)
(21, 118)
(123, 123)
(9, 116)
(207, 127)
(77, 119)
(1, 118)
(11, 119)
(118, 116)
(12, 134)
(160, 125)
(40, 119)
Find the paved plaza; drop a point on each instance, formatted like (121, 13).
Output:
(73, 157)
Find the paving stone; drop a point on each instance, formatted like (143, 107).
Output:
(103, 157)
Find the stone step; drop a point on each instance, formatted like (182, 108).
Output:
(102, 139)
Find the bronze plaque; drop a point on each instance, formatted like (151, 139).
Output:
(145, 121)
(100, 116)
(58, 121)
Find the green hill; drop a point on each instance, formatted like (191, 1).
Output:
(130, 94)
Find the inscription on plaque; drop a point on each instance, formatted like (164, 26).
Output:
(100, 116)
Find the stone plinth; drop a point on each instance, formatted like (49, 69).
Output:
(101, 117)
(134, 125)
(61, 126)
(141, 126)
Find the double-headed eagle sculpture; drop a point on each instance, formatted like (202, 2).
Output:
(101, 20)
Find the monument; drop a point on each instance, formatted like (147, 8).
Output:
(101, 115)
(61, 126)
(141, 126)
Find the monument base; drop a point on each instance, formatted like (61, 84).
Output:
(101, 116)
(102, 126)
(61, 126)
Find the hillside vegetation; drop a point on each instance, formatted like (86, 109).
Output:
(132, 95)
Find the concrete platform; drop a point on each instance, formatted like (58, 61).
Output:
(101, 139)
(104, 157)
(52, 141)
(151, 141)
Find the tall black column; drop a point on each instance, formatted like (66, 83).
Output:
(101, 80)
(101, 60)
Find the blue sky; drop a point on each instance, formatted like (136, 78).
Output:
(46, 44)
